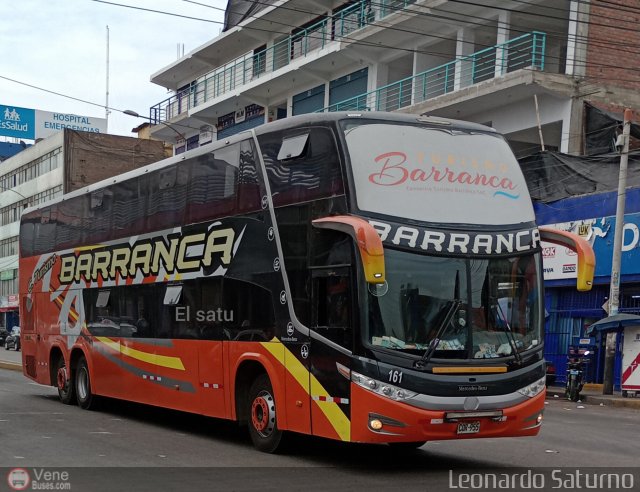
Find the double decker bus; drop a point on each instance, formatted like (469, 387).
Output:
(369, 277)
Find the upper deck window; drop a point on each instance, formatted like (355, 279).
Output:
(302, 167)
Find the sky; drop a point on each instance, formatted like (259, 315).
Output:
(61, 46)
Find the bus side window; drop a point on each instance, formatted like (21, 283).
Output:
(247, 311)
(332, 305)
(100, 214)
(302, 172)
(212, 184)
(167, 197)
(248, 179)
(128, 208)
(71, 226)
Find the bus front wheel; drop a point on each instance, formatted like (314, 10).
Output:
(86, 399)
(64, 384)
(263, 427)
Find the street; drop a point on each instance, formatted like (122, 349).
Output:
(36, 430)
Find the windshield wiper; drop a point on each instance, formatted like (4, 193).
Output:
(453, 307)
(510, 335)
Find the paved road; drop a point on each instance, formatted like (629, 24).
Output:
(10, 355)
(38, 431)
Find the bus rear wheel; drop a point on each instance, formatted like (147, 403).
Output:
(66, 390)
(86, 399)
(263, 427)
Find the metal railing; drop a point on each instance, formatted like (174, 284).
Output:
(518, 53)
(256, 64)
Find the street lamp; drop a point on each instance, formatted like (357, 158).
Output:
(130, 112)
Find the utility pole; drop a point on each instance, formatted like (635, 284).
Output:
(106, 104)
(614, 291)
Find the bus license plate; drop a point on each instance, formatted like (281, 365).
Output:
(468, 427)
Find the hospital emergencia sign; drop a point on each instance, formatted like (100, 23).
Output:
(31, 124)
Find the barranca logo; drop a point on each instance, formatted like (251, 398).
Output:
(395, 172)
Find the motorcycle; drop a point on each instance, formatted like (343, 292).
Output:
(575, 377)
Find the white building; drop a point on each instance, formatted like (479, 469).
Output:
(482, 61)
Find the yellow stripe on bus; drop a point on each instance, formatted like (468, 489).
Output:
(336, 417)
(466, 370)
(156, 360)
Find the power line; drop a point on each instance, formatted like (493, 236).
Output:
(348, 41)
(158, 11)
(382, 24)
(66, 96)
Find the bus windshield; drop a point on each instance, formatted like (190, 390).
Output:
(465, 308)
(437, 175)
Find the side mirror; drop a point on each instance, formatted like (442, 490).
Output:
(367, 240)
(586, 257)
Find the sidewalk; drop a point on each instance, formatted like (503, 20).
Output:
(592, 395)
(10, 359)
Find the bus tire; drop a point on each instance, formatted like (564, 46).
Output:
(66, 389)
(86, 399)
(263, 427)
(574, 394)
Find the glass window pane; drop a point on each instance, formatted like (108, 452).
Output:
(293, 147)
(172, 295)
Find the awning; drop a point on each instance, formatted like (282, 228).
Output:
(614, 322)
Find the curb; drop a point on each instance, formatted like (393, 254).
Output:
(613, 402)
(616, 401)
(12, 366)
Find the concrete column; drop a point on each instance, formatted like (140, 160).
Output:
(502, 53)
(464, 67)
(378, 77)
(577, 38)
(572, 129)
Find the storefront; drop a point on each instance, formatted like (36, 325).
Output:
(570, 313)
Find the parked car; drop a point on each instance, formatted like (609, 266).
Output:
(3, 335)
(13, 340)
(551, 373)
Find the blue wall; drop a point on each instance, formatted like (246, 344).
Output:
(571, 311)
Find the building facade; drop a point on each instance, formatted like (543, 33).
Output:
(525, 68)
(570, 313)
(66, 161)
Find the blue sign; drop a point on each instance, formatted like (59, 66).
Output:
(603, 231)
(17, 122)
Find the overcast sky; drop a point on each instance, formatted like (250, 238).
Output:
(60, 45)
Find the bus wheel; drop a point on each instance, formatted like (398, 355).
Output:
(84, 396)
(263, 428)
(66, 392)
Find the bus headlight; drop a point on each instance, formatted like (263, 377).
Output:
(383, 389)
(533, 389)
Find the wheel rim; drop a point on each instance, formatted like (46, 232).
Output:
(83, 383)
(263, 414)
(62, 378)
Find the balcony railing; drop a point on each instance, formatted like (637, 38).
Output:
(252, 66)
(518, 53)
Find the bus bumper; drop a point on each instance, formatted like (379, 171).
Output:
(401, 422)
